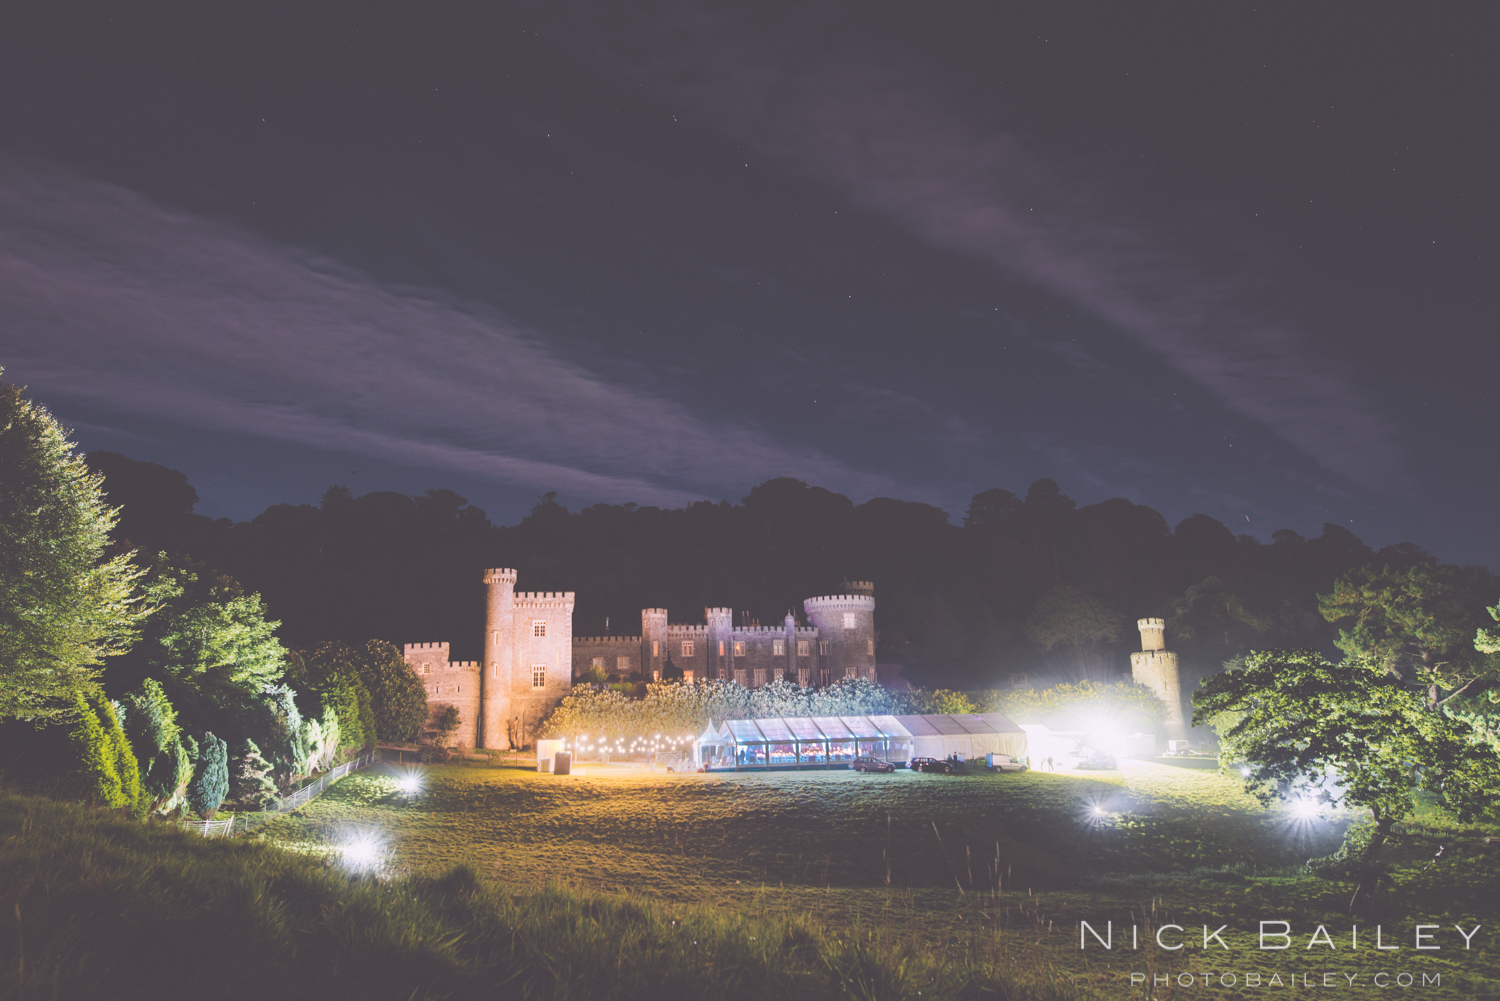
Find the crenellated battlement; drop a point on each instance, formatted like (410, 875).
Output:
(655, 612)
(767, 630)
(464, 665)
(621, 640)
(842, 602)
(500, 575)
(534, 596)
(807, 630)
(411, 648)
(678, 628)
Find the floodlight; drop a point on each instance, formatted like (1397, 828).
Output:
(1099, 811)
(361, 851)
(1245, 772)
(410, 783)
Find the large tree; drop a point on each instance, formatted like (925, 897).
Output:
(1419, 621)
(1074, 619)
(64, 607)
(1349, 733)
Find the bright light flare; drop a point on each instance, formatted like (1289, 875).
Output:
(362, 851)
(410, 783)
(1306, 810)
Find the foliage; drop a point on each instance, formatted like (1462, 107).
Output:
(1350, 734)
(104, 769)
(1070, 617)
(1211, 611)
(63, 607)
(318, 742)
(211, 782)
(151, 725)
(208, 640)
(1419, 622)
(920, 701)
(250, 782)
(1122, 705)
(445, 723)
(397, 696)
(1488, 640)
(332, 673)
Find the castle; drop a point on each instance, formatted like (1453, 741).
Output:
(1156, 667)
(531, 655)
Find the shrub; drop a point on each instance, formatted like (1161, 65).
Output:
(250, 784)
(444, 724)
(211, 783)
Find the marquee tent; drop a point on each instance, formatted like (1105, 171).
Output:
(834, 741)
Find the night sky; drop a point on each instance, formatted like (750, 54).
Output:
(1206, 257)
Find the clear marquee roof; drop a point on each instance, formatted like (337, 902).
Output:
(779, 730)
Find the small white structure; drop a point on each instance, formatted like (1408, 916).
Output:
(546, 750)
(833, 741)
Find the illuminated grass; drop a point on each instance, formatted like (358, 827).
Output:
(914, 857)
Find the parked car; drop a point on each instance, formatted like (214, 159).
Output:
(1006, 763)
(935, 765)
(867, 763)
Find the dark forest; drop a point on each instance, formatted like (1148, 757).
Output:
(1027, 585)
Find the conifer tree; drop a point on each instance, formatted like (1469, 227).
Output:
(251, 784)
(63, 607)
(211, 783)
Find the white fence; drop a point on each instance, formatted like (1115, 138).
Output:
(244, 823)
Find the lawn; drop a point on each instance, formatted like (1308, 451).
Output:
(1001, 865)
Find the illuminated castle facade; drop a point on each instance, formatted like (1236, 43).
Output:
(531, 655)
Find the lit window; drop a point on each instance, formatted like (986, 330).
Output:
(739, 648)
(778, 648)
(687, 648)
(655, 648)
(870, 647)
(539, 627)
(721, 648)
(802, 648)
(538, 675)
(848, 620)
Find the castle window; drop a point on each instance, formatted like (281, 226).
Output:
(687, 648)
(494, 669)
(426, 668)
(870, 647)
(823, 647)
(622, 664)
(742, 678)
(656, 648)
(496, 635)
(825, 678)
(538, 675)
(802, 676)
(721, 648)
(760, 677)
(539, 627)
(739, 648)
(778, 648)
(598, 662)
(802, 648)
(848, 620)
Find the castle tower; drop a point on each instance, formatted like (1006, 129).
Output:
(1156, 667)
(498, 663)
(720, 642)
(846, 626)
(653, 642)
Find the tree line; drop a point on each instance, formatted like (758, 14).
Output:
(1029, 584)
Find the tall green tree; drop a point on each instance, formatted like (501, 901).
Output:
(151, 725)
(1075, 620)
(397, 696)
(211, 781)
(1419, 622)
(331, 673)
(64, 606)
(1351, 734)
(203, 634)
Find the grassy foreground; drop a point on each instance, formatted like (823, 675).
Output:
(96, 906)
(986, 872)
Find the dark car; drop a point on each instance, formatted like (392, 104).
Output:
(934, 765)
(866, 763)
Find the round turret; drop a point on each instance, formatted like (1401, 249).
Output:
(1153, 634)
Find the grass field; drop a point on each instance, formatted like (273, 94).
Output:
(999, 866)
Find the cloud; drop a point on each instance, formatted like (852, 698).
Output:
(833, 113)
(110, 298)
